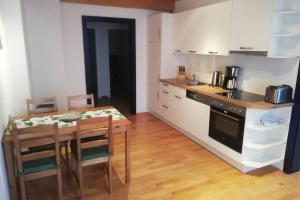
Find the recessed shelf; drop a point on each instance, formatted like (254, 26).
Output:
(258, 164)
(266, 128)
(287, 35)
(283, 57)
(288, 12)
(260, 145)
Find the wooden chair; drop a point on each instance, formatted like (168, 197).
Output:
(41, 105)
(37, 164)
(73, 102)
(88, 151)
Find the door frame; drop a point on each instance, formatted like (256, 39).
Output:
(132, 48)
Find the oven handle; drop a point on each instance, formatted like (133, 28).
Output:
(224, 115)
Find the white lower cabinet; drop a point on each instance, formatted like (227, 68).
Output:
(186, 114)
(197, 119)
(153, 97)
(172, 103)
(178, 110)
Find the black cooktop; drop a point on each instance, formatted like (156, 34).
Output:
(243, 96)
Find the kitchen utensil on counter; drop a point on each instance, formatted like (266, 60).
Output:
(279, 94)
(181, 75)
(232, 71)
(216, 78)
(230, 80)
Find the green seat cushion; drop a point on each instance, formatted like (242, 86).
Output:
(90, 153)
(39, 165)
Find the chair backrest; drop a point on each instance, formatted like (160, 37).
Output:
(41, 105)
(34, 137)
(98, 126)
(80, 101)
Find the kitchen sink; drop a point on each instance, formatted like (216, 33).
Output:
(190, 82)
(194, 83)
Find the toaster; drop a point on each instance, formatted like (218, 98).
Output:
(279, 94)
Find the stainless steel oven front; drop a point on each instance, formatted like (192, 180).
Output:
(227, 127)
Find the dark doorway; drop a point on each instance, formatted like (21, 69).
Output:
(109, 52)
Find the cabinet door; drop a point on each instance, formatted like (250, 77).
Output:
(154, 63)
(204, 30)
(183, 34)
(153, 99)
(165, 104)
(212, 29)
(197, 119)
(154, 28)
(178, 110)
(251, 25)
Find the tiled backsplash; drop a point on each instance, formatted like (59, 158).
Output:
(256, 73)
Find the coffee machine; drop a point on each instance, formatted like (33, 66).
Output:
(231, 75)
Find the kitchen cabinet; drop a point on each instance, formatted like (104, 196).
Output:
(172, 104)
(285, 38)
(161, 61)
(251, 25)
(154, 33)
(178, 108)
(197, 119)
(204, 30)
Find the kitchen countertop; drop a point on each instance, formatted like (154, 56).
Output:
(211, 91)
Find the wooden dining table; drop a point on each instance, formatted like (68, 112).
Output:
(66, 133)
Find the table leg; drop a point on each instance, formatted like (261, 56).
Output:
(10, 170)
(127, 155)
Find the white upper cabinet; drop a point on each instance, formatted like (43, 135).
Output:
(213, 29)
(204, 30)
(183, 34)
(154, 25)
(251, 25)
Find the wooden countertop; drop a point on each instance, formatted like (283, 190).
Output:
(211, 91)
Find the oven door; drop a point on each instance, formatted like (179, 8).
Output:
(227, 128)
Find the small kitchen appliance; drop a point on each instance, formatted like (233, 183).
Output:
(279, 94)
(231, 75)
(216, 78)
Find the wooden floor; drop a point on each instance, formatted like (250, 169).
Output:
(167, 165)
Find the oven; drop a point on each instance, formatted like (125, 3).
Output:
(227, 127)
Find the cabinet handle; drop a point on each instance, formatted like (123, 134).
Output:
(165, 92)
(159, 33)
(165, 84)
(246, 48)
(192, 51)
(177, 50)
(165, 106)
(213, 52)
(158, 77)
(178, 97)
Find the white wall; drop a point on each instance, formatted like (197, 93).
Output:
(14, 80)
(182, 5)
(45, 49)
(73, 45)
